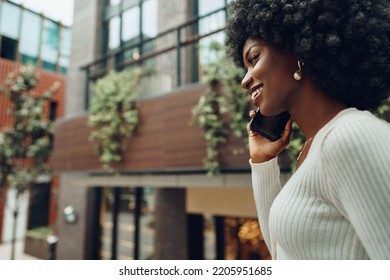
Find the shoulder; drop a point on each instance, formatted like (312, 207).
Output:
(356, 129)
(357, 140)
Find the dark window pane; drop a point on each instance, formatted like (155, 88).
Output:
(49, 66)
(31, 60)
(8, 48)
(53, 111)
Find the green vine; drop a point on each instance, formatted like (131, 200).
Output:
(221, 107)
(114, 114)
(26, 143)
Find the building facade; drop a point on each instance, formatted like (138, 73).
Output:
(29, 38)
(160, 204)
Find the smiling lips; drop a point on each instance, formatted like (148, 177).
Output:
(256, 93)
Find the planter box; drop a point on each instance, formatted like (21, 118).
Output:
(36, 247)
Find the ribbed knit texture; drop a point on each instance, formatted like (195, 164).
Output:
(337, 204)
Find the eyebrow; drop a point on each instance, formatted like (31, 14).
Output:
(249, 49)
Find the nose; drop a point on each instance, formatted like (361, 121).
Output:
(247, 80)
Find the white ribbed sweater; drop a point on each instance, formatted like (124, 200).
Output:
(337, 204)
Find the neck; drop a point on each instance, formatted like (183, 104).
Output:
(312, 109)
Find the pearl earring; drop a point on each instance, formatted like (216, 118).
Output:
(298, 73)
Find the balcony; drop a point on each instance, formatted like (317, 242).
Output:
(165, 142)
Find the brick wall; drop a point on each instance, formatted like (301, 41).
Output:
(46, 80)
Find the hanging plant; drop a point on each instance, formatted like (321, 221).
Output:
(207, 114)
(222, 98)
(114, 114)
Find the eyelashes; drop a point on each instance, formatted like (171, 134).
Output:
(252, 59)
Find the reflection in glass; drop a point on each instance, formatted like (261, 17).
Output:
(206, 6)
(125, 245)
(209, 238)
(149, 28)
(244, 240)
(65, 49)
(50, 45)
(29, 39)
(209, 24)
(114, 36)
(130, 24)
(126, 223)
(147, 225)
(106, 225)
(114, 2)
(10, 18)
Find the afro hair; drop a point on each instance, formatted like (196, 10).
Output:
(345, 44)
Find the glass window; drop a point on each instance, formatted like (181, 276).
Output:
(214, 21)
(65, 49)
(17, 1)
(8, 48)
(114, 2)
(126, 226)
(10, 19)
(209, 238)
(209, 24)
(149, 18)
(30, 36)
(147, 224)
(50, 46)
(127, 199)
(206, 6)
(130, 24)
(114, 35)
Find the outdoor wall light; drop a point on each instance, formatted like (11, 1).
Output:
(70, 215)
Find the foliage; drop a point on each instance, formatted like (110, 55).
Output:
(114, 114)
(39, 233)
(221, 107)
(383, 111)
(25, 145)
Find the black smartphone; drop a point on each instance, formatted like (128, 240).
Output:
(269, 127)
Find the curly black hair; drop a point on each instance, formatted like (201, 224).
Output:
(345, 44)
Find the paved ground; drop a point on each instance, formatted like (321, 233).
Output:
(5, 251)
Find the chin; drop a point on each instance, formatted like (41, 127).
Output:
(266, 112)
(269, 112)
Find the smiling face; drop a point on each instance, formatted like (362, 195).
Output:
(269, 78)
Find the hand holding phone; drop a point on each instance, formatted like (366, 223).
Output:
(269, 127)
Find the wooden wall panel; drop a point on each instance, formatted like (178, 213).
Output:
(164, 140)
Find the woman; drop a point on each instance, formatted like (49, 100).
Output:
(325, 62)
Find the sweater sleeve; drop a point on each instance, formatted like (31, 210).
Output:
(357, 164)
(266, 185)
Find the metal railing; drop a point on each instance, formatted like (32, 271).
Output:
(186, 36)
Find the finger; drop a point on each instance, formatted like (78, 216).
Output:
(251, 133)
(252, 113)
(287, 132)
